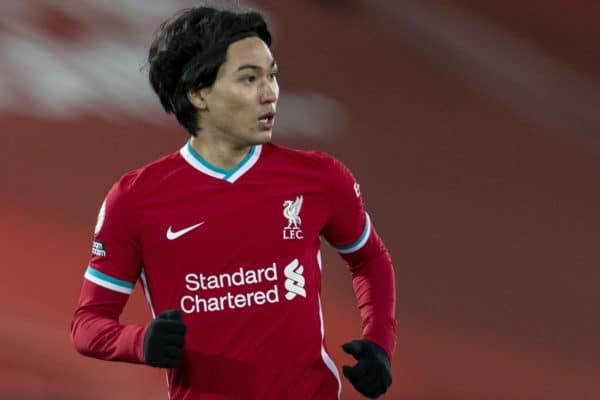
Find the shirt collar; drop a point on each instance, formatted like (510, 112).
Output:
(195, 160)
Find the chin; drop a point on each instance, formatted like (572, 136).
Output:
(262, 137)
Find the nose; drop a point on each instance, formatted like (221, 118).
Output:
(269, 92)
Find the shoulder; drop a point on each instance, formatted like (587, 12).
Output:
(319, 160)
(140, 179)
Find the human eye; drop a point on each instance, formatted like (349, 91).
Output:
(248, 78)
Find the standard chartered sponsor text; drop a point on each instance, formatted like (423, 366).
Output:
(236, 297)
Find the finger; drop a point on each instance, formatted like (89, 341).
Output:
(373, 386)
(368, 381)
(170, 363)
(356, 372)
(356, 348)
(371, 378)
(167, 326)
(367, 388)
(174, 340)
(173, 315)
(172, 352)
(176, 327)
(387, 380)
(167, 360)
(347, 370)
(372, 393)
(383, 388)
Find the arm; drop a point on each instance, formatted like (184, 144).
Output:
(374, 287)
(373, 281)
(350, 232)
(96, 331)
(109, 280)
(110, 277)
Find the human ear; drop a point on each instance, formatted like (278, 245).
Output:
(198, 97)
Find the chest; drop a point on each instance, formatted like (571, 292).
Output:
(231, 224)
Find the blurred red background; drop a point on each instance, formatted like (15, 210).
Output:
(473, 128)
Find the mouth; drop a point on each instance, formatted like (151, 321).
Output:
(266, 120)
(267, 117)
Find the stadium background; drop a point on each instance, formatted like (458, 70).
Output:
(472, 126)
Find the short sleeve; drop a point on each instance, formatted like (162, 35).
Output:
(349, 226)
(116, 260)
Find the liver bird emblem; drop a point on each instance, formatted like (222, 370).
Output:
(291, 211)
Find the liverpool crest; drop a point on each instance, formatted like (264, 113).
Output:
(291, 211)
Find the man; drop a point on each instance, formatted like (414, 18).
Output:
(224, 236)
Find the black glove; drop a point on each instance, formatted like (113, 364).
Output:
(164, 340)
(372, 375)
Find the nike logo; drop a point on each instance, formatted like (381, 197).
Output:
(177, 234)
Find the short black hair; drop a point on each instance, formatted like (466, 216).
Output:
(189, 48)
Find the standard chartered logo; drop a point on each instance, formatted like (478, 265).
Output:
(294, 283)
(228, 291)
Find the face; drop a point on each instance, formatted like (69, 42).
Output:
(240, 106)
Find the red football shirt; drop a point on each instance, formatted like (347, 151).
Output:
(238, 253)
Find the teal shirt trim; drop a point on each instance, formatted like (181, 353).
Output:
(361, 240)
(226, 173)
(106, 278)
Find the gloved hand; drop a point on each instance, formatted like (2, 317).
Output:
(164, 339)
(372, 375)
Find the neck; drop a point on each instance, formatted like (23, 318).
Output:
(220, 153)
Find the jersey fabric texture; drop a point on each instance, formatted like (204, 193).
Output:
(237, 252)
